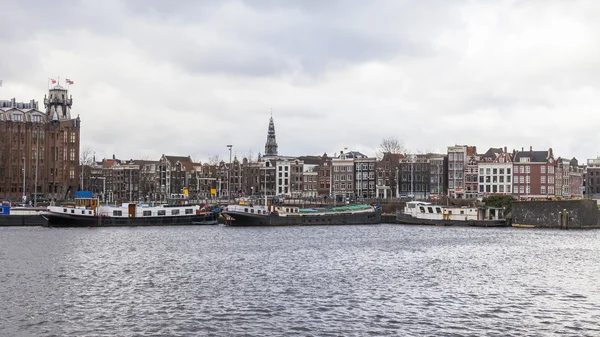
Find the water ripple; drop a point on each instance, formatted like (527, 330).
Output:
(301, 281)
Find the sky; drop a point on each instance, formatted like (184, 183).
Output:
(186, 77)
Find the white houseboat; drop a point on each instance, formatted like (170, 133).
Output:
(425, 213)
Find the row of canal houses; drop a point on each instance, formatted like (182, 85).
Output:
(461, 172)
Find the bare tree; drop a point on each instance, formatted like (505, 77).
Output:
(390, 145)
(214, 159)
(86, 156)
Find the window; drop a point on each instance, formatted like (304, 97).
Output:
(174, 212)
(189, 211)
(551, 170)
(508, 171)
(72, 173)
(522, 189)
(117, 213)
(528, 180)
(522, 169)
(481, 171)
(551, 189)
(17, 117)
(501, 171)
(73, 137)
(508, 179)
(146, 213)
(527, 169)
(543, 180)
(543, 189)
(522, 179)
(507, 188)
(72, 154)
(501, 188)
(162, 212)
(543, 169)
(495, 171)
(501, 179)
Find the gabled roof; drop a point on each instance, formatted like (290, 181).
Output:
(143, 162)
(471, 150)
(534, 156)
(181, 159)
(492, 153)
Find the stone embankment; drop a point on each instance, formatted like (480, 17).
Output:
(563, 214)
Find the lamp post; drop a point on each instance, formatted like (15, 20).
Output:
(229, 175)
(397, 182)
(24, 197)
(37, 161)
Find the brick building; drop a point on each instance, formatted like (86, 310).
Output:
(39, 149)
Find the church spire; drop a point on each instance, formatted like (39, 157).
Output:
(271, 144)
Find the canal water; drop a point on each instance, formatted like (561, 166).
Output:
(383, 280)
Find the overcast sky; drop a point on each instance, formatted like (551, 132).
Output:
(190, 77)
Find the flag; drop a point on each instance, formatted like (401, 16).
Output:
(345, 148)
(69, 81)
(53, 81)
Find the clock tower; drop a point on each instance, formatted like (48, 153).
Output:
(271, 144)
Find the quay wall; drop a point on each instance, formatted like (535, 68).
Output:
(582, 214)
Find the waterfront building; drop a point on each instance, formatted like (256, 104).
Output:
(365, 181)
(388, 173)
(568, 178)
(471, 172)
(531, 172)
(592, 181)
(39, 150)
(495, 173)
(172, 175)
(324, 178)
(343, 175)
(414, 176)
(310, 175)
(438, 179)
(457, 162)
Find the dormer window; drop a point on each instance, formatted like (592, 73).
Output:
(36, 118)
(17, 117)
(524, 160)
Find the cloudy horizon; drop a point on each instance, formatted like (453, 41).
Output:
(189, 77)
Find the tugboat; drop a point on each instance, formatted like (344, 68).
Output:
(87, 212)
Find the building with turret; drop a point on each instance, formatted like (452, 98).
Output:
(39, 150)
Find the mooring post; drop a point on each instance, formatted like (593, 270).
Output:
(560, 220)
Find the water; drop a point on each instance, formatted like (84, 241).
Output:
(384, 280)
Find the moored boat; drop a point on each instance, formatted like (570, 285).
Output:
(20, 215)
(258, 215)
(87, 212)
(425, 213)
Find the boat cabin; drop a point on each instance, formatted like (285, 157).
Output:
(426, 210)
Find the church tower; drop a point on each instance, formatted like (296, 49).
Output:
(271, 144)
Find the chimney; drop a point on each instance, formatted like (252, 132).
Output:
(505, 149)
(530, 148)
(113, 156)
(522, 149)
(550, 154)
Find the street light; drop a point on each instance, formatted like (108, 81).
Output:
(229, 175)
(37, 161)
(24, 197)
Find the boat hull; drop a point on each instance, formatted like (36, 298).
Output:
(71, 220)
(410, 220)
(246, 219)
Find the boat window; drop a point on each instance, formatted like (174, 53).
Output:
(251, 210)
(449, 212)
(73, 211)
(430, 209)
(462, 212)
(174, 212)
(117, 213)
(162, 212)
(147, 213)
(82, 212)
(422, 209)
(65, 210)
(439, 210)
(189, 211)
(246, 210)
